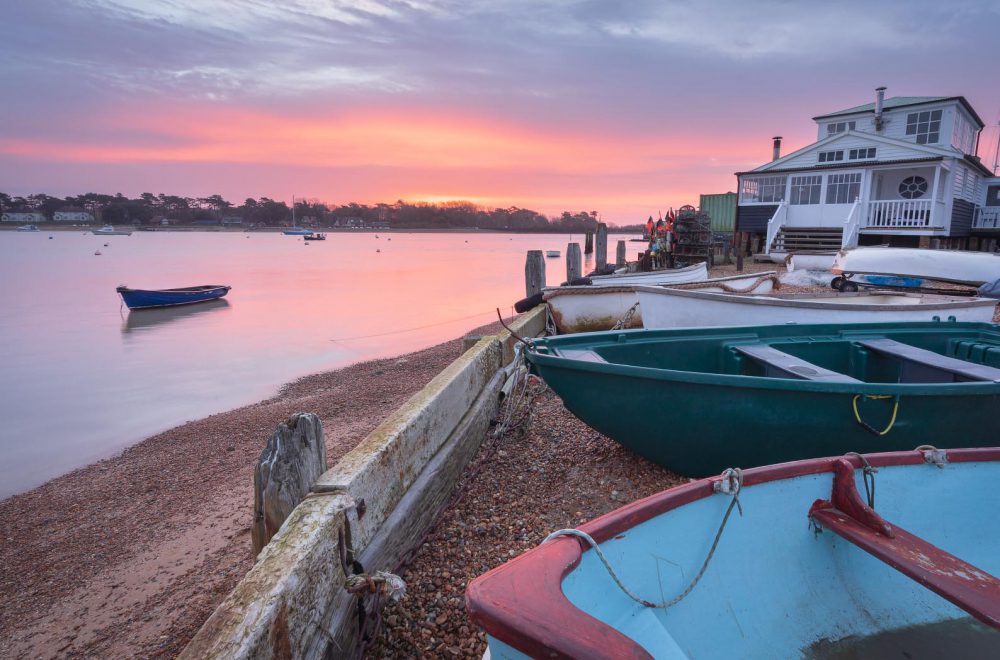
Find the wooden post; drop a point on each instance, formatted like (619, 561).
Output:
(620, 255)
(574, 262)
(588, 243)
(739, 252)
(292, 460)
(534, 273)
(601, 258)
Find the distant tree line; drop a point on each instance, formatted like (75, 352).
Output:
(148, 208)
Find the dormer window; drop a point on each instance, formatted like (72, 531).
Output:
(840, 127)
(831, 156)
(926, 126)
(866, 153)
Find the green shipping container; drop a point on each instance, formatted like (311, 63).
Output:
(722, 209)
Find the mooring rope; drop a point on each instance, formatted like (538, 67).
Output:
(626, 320)
(868, 472)
(865, 425)
(732, 483)
(730, 289)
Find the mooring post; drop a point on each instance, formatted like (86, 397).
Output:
(534, 273)
(601, 258)
(574, 262)
(588, 243)
(739, 252)
(620, 255)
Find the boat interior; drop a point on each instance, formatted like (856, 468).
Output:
(950, 355)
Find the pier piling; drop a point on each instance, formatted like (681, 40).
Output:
(620, 255)
(601, 258)
(574, 262)
(534, 273)
(588, 243)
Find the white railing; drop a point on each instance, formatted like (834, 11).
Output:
(775, 224)
(987, 217)
(852, 225)
(900, 213)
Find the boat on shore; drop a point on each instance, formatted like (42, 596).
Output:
(149, 298)
(957, 267)
(695, 273)
(28, 228)
(109, 230)
(909, 574)
(698, 400)
(669, 307)
(595, 308)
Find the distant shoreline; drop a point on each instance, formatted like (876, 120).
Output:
(58, 227)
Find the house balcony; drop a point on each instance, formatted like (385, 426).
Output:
(904, 214)
(986, 218)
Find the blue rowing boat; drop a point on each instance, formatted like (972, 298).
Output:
(783, 561)
(146, 298)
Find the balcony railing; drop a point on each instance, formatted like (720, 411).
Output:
(987, 217)
(900, 213)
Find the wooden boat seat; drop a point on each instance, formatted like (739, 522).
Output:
(580, 354)
(846, 515)
(921, 365)
(778, 364)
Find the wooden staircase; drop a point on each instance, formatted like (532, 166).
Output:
(807, 240)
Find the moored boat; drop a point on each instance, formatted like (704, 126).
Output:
(314, 237)
(697, 400)
(590, 308)
(147, 298)
(297, 232)
(971, 268)
(806, 567)
(552, 253)
(109, 230)
(28, 228)
(667, 307)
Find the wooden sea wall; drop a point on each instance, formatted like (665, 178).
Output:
(373, 506)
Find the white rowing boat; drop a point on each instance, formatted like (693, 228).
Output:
(590, 308)
(973, 268)
(678, 308)
(696, 273)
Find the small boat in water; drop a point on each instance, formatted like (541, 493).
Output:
(314, 237)
(552, 253)
(146, 298)
(809, 568)
(668, 307)
(971, 268)
(297, 232)
(594, 308)
(698, 400)
(109, 230)
(28, 228)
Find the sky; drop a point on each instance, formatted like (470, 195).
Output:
(625, 108)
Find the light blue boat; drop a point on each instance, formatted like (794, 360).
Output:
(297, 232)
(803, 567)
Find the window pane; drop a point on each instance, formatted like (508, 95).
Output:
(936, 114)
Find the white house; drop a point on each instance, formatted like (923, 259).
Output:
(72, 216)
(23, 217)
(891, 171)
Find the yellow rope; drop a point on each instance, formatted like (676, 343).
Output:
(857, 416)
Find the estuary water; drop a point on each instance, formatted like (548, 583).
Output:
(82, 377)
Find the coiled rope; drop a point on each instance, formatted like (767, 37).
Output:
(731, 483)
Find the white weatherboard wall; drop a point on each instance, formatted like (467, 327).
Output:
(378, 500)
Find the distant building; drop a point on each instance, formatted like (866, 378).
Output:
(23, 217)
(892, 171)
(73, 215)
(232, 221)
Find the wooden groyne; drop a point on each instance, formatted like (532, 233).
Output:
(365, 514)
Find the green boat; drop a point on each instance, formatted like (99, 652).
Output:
(699, 400)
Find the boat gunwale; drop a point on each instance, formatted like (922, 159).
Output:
(787, 299)
(748, 334)
(516, 606)
(554, 291)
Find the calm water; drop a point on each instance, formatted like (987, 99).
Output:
(83, 379)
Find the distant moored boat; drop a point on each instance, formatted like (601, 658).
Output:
(146, 298)
(109, 230)
(28, 228)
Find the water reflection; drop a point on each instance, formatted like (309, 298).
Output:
(147, 319)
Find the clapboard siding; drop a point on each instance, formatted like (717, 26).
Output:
(754, 218)
(883, 152)
(961, 218)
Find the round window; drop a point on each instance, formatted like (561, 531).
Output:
(913, 187)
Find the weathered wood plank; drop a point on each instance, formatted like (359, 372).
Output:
(601, 247)
(574, 262)
(277, 610)
(534, 273)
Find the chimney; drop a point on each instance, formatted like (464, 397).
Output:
(776, 153)
(879, 101)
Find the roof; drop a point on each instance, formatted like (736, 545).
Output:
(903, 102)
(840, 165)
